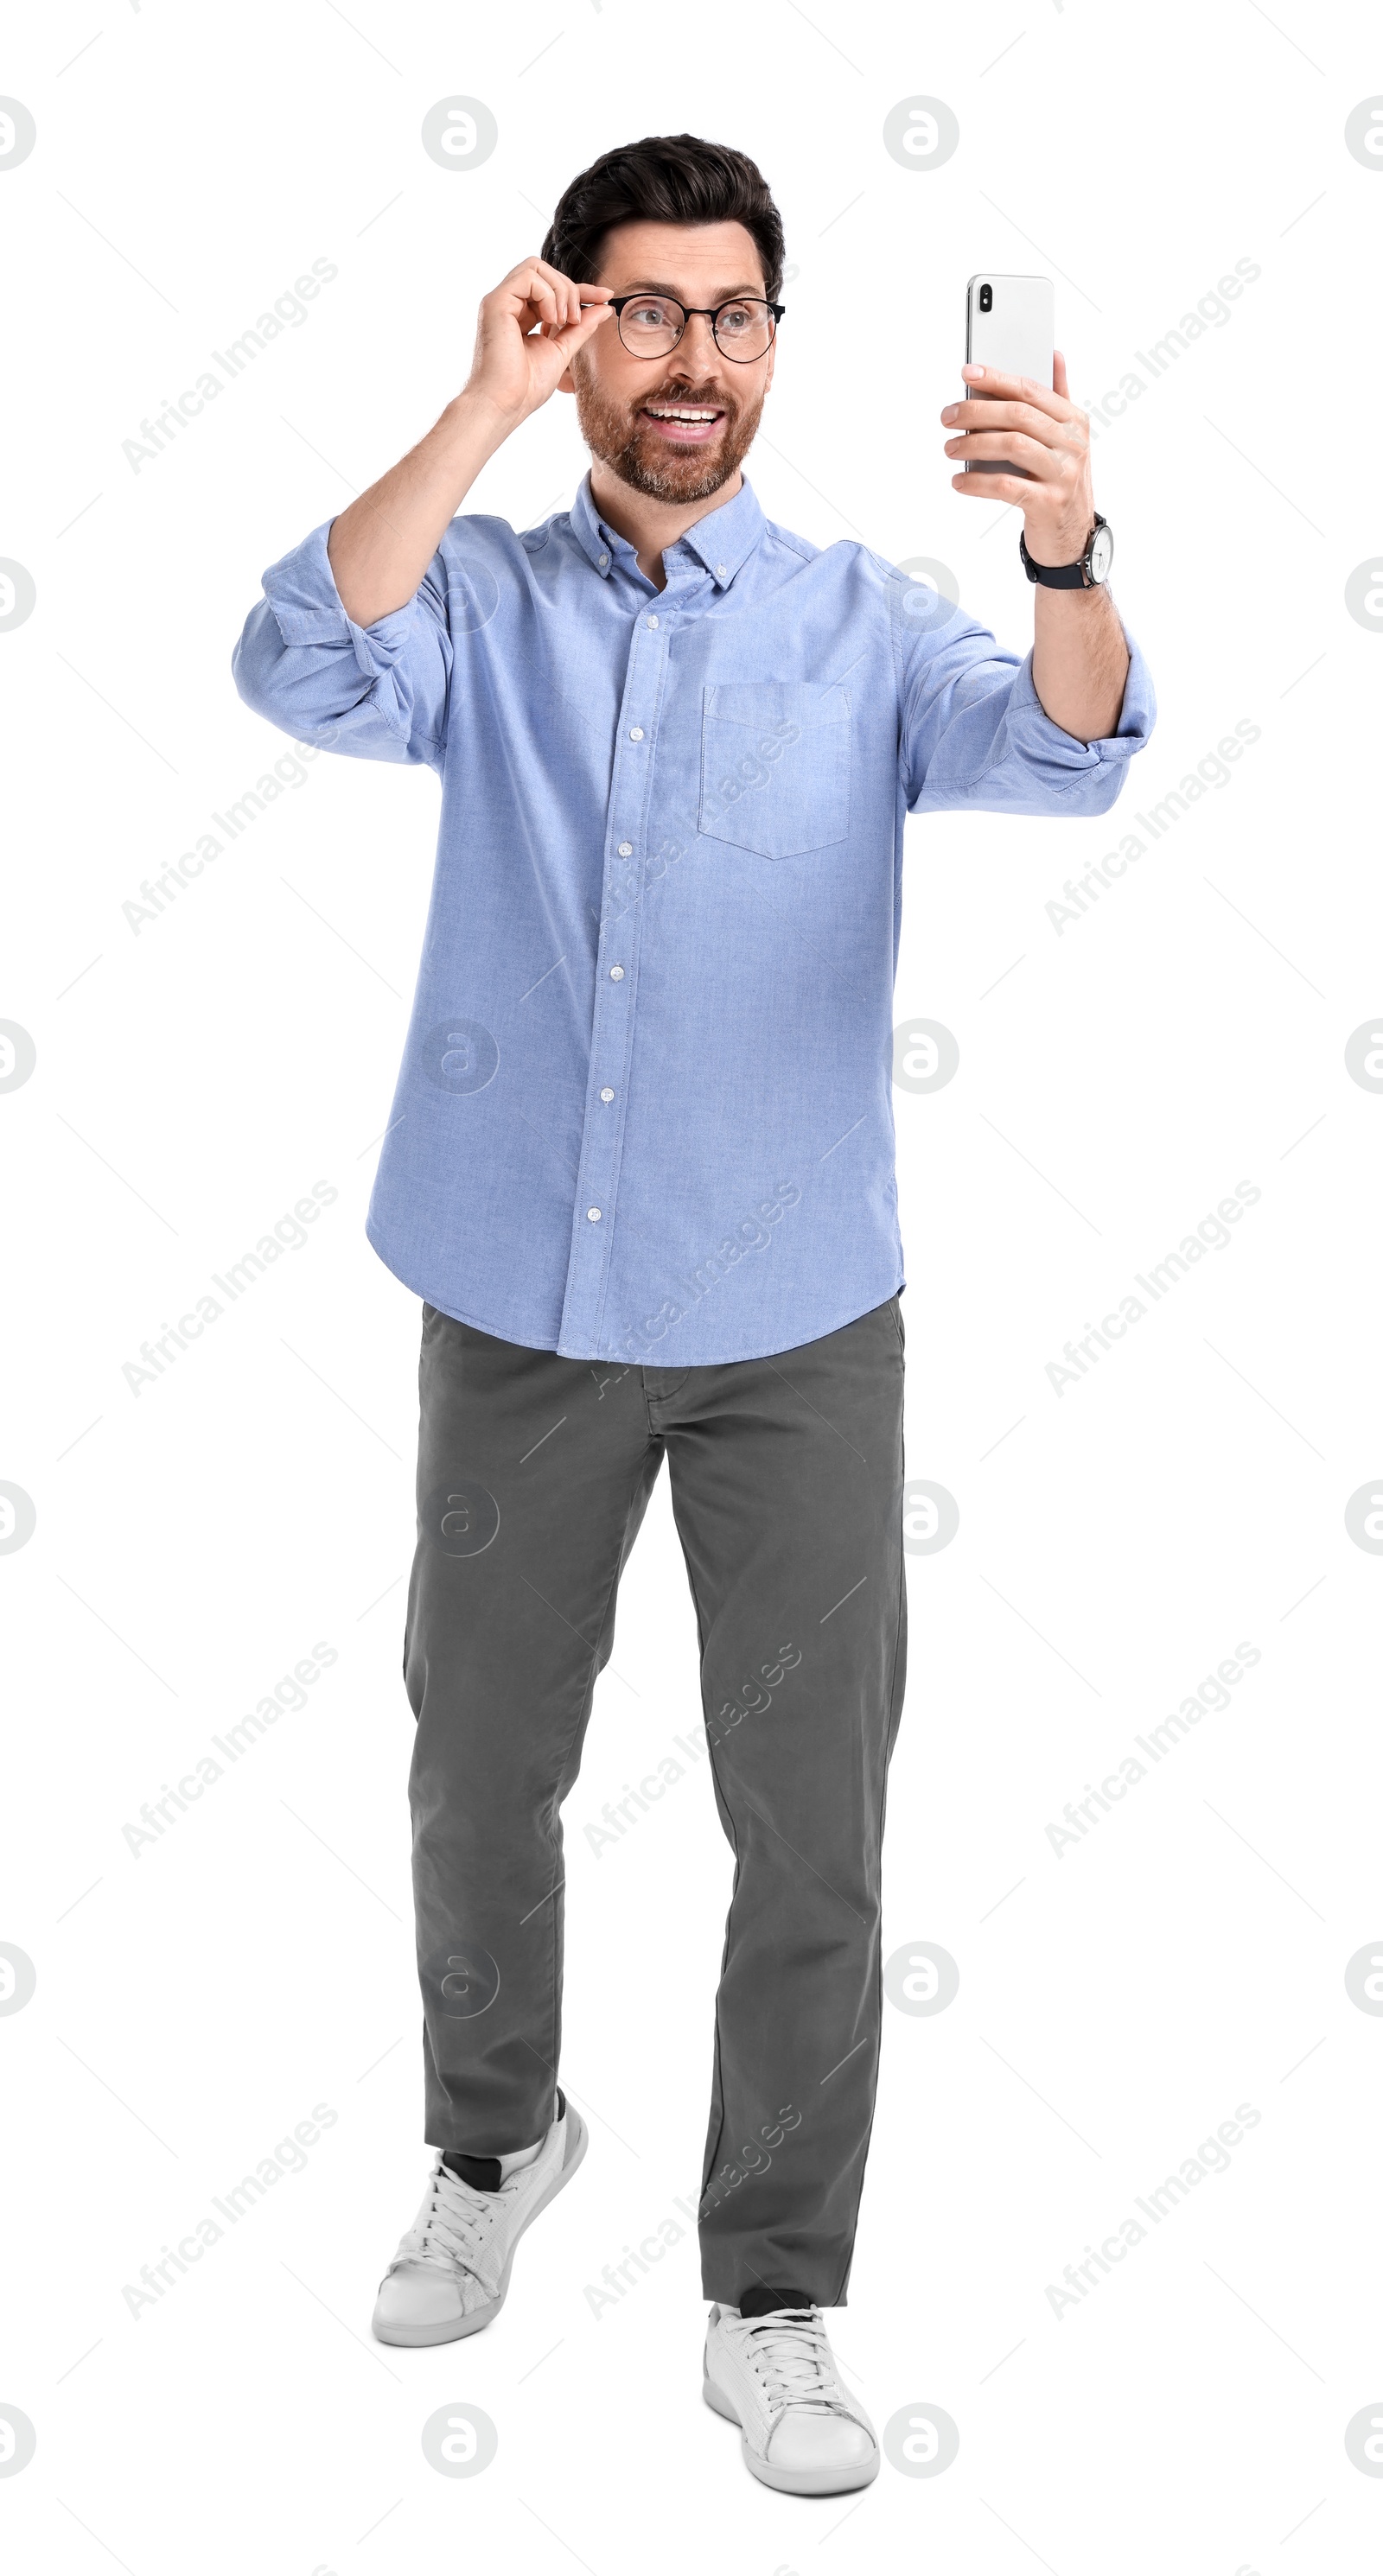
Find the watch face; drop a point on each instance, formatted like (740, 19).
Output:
(1101, 554)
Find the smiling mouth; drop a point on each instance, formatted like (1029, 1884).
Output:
(684, 424)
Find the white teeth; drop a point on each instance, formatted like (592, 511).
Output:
(663, 411)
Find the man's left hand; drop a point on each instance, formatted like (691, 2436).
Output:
(1024, 423)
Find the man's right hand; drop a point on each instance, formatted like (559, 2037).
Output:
(529, 330)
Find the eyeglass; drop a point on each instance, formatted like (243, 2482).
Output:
(651, 325)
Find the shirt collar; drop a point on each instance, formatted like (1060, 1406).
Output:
(722, 541)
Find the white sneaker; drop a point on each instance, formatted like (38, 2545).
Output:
(450, 2275)
(801, 2429)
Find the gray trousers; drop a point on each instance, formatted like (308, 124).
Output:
(534, 1473)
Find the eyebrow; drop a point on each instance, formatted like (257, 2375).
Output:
(659, 286)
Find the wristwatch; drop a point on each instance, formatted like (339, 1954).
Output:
(1089, 569)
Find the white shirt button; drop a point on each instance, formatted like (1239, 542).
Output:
(636, 733)
(617, 974)
(607, 1094)
(720, 572)
(603, 562)
(594, 1215)
(626, 849)
(651, 621)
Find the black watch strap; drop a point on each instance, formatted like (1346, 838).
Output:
(1071, 576)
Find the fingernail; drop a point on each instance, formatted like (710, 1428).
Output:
(950, 411)
(972, 371)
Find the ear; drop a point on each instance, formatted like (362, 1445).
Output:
(564, 383)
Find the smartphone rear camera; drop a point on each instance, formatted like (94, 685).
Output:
(986, 299)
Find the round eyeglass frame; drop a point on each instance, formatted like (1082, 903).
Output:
(711, 313)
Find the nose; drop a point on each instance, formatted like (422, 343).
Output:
(697, 347)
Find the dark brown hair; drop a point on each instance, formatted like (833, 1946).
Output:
(665, 179)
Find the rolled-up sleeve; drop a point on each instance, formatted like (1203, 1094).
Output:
(374, 692)
(974, 732)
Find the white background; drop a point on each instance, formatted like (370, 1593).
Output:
(1116, 1542)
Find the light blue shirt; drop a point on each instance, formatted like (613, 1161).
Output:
(645, 1108)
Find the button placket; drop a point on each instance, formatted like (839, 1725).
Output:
(616, 978)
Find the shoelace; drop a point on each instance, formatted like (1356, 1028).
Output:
(791, 2355)
(458, 2220)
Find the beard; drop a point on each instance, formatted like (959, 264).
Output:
(619, 436)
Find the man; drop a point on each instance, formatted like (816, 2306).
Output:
(640, 1170)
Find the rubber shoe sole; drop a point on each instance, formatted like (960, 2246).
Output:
(414, 2337)
(812, 2482)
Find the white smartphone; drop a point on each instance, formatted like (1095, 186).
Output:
(1010, 322)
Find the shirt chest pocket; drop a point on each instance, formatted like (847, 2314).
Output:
(775, 766)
